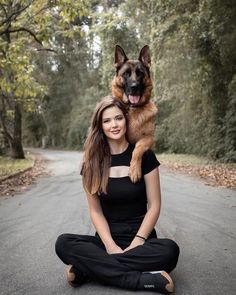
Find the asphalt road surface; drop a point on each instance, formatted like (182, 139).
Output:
(200, 218)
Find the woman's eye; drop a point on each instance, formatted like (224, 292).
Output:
(120, 118)
(106, 121)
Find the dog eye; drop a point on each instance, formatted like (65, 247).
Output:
(139, 72)
(127, 73)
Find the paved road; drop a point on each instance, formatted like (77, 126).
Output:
(200, 218)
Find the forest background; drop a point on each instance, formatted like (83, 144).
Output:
(57, 62)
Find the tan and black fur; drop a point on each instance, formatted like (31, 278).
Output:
(133, 85)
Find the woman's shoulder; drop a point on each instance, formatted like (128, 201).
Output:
(149, 161)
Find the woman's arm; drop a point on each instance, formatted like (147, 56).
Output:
(101, 225)
(152, 183)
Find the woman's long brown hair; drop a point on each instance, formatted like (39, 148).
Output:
(97, 156)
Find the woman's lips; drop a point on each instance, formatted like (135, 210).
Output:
(115, 131)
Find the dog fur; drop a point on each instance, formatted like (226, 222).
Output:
(132, 85)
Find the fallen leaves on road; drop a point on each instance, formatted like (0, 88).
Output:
(20, 182)
(216, 175)
(221, 176)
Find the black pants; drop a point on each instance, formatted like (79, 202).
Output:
(89, 258)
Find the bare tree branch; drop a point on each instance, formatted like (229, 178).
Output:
(47, 49)
(14, 15)
(3, 8)
(22, 30)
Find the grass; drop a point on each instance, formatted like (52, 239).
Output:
(185, 160)
(10, 166)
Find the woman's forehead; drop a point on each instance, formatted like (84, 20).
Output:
(111, 112)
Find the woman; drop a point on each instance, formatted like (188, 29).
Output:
(125, 251)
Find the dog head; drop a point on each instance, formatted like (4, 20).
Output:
(132, 83)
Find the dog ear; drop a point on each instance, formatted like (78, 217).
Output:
(144, 56)
(120, 56)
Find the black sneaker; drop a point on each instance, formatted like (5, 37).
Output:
(158, 281)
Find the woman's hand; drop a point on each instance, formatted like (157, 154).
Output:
(114, 249)
(136, 242)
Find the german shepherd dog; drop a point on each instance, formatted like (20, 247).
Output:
(132, 84)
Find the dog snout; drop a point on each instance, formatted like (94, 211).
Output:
(134, 87)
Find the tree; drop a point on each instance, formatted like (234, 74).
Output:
(28, 27)
(194, 68)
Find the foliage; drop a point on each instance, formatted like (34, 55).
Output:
(26, 27)
(193, 70)
(63, 63)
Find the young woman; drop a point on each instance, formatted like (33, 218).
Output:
(125, 251)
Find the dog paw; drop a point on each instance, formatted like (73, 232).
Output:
(135, 173)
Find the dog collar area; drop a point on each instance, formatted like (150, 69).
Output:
(136, 106)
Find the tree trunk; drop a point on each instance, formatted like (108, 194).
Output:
(16, 142)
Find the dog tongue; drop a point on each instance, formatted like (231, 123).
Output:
(134, 98)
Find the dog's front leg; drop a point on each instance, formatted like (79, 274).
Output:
(141, 146)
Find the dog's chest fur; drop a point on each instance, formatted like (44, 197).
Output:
(141, 121)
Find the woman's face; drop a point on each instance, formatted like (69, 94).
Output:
(113, 123)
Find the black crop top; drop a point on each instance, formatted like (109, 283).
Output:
(124, 199)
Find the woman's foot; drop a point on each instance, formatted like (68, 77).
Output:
(71, 276)
(159, 281)
(75, 277)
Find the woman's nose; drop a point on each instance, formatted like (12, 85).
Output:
(113, 123)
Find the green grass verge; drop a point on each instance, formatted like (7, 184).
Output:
(10, 166)
(184, 159)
